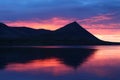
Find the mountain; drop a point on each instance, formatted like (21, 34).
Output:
(7, 32)
(71, 34)
(29, 32)
(76, 33)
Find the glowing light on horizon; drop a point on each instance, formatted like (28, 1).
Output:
(50, 24)
(99, 30)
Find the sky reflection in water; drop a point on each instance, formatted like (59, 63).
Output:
(102, 62)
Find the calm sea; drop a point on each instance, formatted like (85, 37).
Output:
(60, 63)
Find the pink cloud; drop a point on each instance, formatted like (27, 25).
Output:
(57, 22)
(97, 22)
(96, 18)
(51, 24)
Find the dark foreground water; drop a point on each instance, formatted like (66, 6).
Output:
(60, 63)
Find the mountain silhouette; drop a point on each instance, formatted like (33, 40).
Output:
(71, 34)
(7, 32)
(74, 32)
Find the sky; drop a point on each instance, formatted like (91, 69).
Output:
(100, 17)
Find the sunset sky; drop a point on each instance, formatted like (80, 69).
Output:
(100, 17)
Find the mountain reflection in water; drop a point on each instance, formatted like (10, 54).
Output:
(60, 63)
(72, 57)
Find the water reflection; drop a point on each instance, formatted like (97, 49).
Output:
(52, 66)
(72, 57)
(79, 63)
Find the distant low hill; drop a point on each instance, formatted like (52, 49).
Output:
(71, 34)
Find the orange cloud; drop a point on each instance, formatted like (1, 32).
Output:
(57, 22)
(50, 24)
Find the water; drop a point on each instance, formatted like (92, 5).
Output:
(60, 63)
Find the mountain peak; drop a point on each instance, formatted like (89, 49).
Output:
(75, 23)
(72, 27)
(76, 32)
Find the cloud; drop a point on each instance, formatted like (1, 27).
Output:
(96, 18)
(51, 24)
(15, 10)
(103, 21)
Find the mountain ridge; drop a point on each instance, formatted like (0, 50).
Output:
(70, 34)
